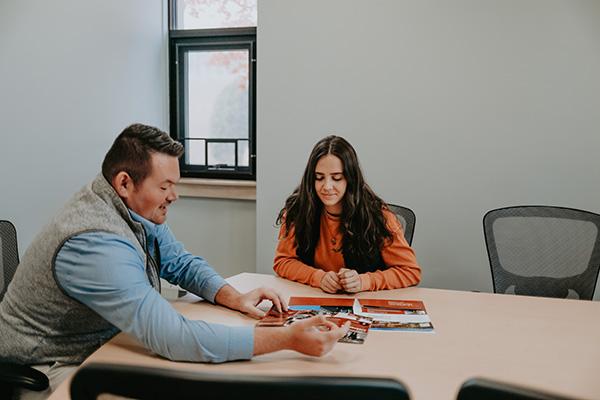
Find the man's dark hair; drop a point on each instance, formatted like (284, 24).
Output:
(133, 148)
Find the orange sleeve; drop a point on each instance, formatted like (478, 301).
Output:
(402, 268)
(288, 265)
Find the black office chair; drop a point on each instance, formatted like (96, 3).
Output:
(479, 388)
(9, 254)
(13, 376)
(543, 251)
(407, 219)
(95, 379)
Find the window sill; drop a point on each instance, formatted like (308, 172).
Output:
(217, 188)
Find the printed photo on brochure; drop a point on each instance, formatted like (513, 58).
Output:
(357, 333)
(387, 314)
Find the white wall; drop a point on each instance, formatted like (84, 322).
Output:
(221, 231)
(455, 108)
(73, 74)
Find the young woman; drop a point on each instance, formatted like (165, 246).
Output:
(336, 233)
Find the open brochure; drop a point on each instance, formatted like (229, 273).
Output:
(399, 315)
(359, 325)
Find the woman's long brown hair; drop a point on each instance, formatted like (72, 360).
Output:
(363, 226)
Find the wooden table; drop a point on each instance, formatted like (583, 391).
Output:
(548, 344)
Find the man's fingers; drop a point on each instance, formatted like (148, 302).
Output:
(255, 312)
(339, 332)
(322, 323)
(282, 301)
(329, 325)
(312, 321)
(274, 296)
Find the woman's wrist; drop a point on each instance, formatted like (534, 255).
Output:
(365, 282)
(317, 277)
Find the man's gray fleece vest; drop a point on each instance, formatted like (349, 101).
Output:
(39, 322)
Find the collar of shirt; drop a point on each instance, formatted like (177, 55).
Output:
(150, 227)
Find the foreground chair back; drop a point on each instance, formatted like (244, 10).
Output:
(95, 379)
(9, 255)
(543, 251)
(13, 376)
(479, 388)
(407, 219)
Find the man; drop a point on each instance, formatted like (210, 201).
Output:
(94, 271)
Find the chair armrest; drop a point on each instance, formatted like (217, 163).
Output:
(23, 376)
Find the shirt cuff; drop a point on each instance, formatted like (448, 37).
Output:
(317, 276)
(365, 281)
(212, 287)
(241, 343)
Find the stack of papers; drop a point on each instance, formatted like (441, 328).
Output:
(363, 314)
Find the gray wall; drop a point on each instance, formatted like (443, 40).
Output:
(454, 108)
(73, 74)
(221, 231)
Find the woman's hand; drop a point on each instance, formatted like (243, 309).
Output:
(350, 280)
(331, 283)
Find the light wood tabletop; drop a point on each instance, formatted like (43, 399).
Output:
(547, 344)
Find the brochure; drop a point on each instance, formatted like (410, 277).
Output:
(357, 333)
(398, 315)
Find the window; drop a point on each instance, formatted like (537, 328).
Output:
(212, 68)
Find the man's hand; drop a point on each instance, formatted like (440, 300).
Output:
(316, 336)
(350, 280)
(330, 283)
(247, 302)
(313, 336)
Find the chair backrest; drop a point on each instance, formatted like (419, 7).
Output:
(407, 219)
(9, 255)
(95, 379)
(479, 388)
(543, 251)
(12, 375)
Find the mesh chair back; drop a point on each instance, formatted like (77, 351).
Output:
(9, 255)
(95, 379)
(13, 375)
(543, 251)
(479, 388)
(407, 219)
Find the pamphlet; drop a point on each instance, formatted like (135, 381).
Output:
(397, 315)
(359, 325)
(363, 314)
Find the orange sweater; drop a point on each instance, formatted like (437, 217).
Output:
(401, 268)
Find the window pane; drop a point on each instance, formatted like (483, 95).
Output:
(221, 154)
(218, 95)
(243, 155)
(213, 108)
(195, 152)
(206, 14)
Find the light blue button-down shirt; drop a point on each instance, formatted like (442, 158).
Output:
(105, 272)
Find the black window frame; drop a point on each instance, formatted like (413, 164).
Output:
(181, 41)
